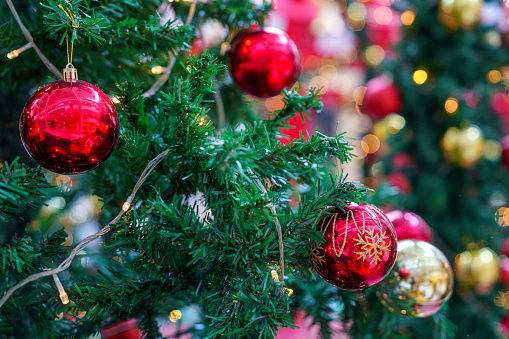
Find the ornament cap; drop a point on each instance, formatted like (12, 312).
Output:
(70, 73)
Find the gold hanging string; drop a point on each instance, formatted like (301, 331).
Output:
(69, 14)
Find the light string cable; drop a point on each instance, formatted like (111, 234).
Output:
(30, 39)
(67, 262)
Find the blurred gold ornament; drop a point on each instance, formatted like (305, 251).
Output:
(420, 282)
(459, 13)
(477, 269)
(463, 146)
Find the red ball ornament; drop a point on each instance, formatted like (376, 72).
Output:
(504, 272)
(381, 98)
(504, 142)
(263, 61)
(360, 247)
(123, 330)
(69, 126)
(410, 226)
(505, 248)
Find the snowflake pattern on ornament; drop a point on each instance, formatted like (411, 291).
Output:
(373, 245)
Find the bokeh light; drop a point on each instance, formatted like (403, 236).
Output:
(395, 123)
(494, 76)
(383, 15)
(420, 76)
(407, 17)
(451, 105)
(372, 142)
(374, 55)
(492, 150)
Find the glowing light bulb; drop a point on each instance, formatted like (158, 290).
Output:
(126, 206)
(175, 315)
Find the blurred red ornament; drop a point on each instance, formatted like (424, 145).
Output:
(410, 226)
(360, 247)
(401, 160)
(400, 181)
(197, 46)
(504, 142)
(505, 247)
(123, 330)
(264, 61)
(500, 103)
(504, 272)
(69, 127)
(381, 98)
(306, 127)
(504, 324)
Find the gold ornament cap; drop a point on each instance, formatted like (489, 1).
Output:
(70, 73)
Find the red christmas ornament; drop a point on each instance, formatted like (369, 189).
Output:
(360, 247)
(504, 324)
(504, 142)
(263, 61)
(69, 126)
(505, 248)
(123, 330)
(381, 98)
(410, 226)
(504, 272)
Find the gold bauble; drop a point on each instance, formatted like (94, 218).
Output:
(477, 269)
(464, 146)
(420, 282)
(459, 13)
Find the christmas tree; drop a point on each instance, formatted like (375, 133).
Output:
(193, 207)
(442, 150)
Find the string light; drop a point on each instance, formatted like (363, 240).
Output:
(175, 315)
(14, 53)
(115, 100)
(126, 206)
(63, 295)
(157, 69)
(420, 76)
(451, 105)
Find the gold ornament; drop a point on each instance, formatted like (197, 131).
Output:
(459, 13)
(463, 146)
(421, 281)
(477, 269)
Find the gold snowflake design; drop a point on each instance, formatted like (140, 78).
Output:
(372, 245)
(314, 255)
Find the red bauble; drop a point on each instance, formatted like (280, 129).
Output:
(69, 127)
(504, 142)
(505, 248)
(504, 272)
(123, 330)
(263, 61)
(381, 98)
(360, 247)
(410, 226)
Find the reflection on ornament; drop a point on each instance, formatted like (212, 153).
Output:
(459, 13)
(421, 281)
(69, 126)
(477, 269)
(359, 249)
(464, 146)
